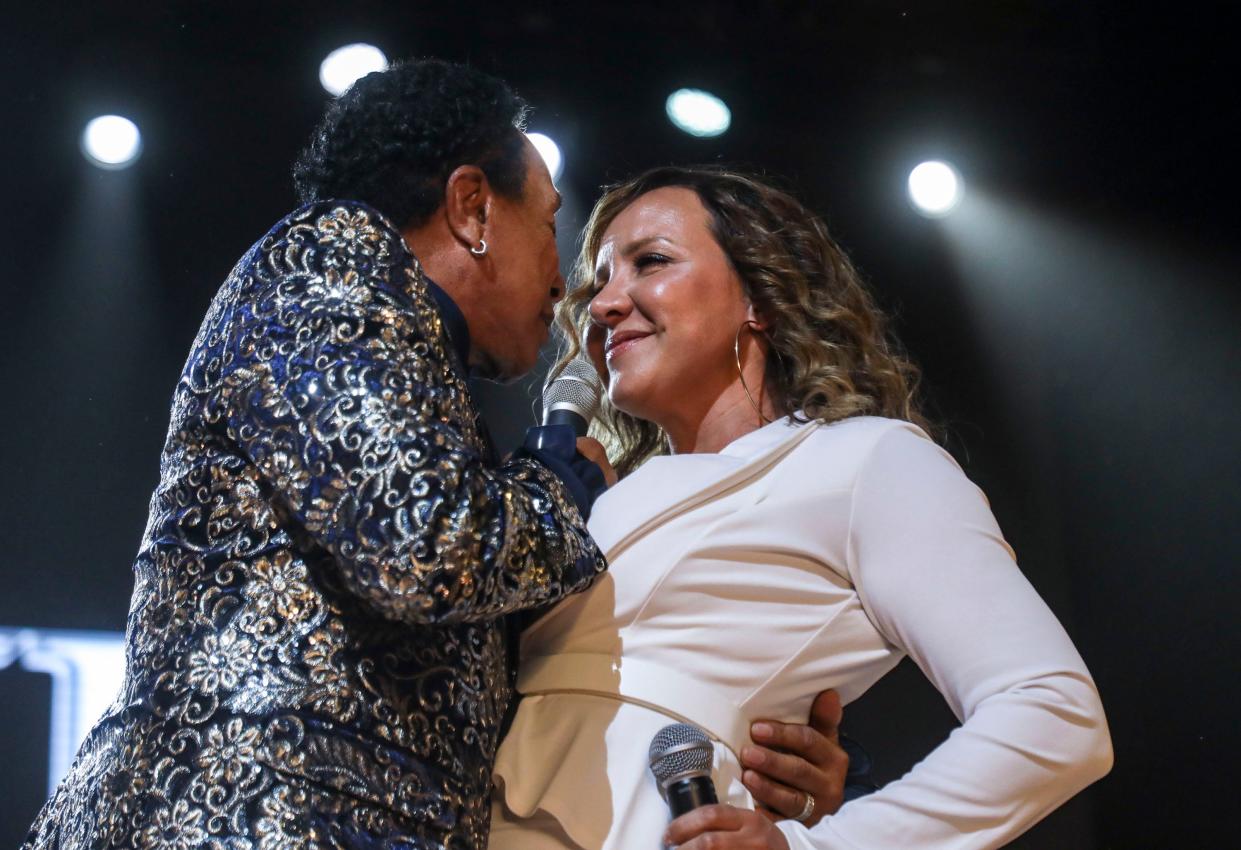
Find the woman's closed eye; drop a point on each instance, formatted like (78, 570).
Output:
(650, 260)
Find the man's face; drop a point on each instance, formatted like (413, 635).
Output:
(516, 310)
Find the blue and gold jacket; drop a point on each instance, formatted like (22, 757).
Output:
(316, 650)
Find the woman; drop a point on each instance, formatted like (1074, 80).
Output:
(784, 525)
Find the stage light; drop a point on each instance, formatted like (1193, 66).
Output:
(550, 152)
(345, 65)
(111, 142)
(934, 188)
(697, 112)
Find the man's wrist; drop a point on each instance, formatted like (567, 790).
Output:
(555, 446)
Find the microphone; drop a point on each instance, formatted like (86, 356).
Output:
(570, 401)
(572, 397)
(680, 758)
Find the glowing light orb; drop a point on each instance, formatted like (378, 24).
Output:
(111, 141)
(698, 113)
(550, 152)
(934, 188)
(345, 65)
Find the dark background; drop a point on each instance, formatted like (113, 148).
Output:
(1075, 318)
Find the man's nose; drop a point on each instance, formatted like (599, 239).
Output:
(557, 288)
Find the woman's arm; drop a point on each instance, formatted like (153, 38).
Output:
(937, 578)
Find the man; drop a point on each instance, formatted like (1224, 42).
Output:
(317, 653)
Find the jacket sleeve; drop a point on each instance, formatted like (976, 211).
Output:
(335, 385)
(938, 580)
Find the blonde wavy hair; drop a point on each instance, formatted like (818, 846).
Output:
(829, 357)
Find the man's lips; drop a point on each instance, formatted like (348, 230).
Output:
(621, 342)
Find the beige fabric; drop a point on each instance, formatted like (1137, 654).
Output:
(540, 831)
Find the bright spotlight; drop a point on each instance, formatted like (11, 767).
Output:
(345, 65)
(697, 112)
(550, 152)
(934, 188)
(111, 142)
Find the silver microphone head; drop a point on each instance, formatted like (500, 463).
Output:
(678, 751)
(575, 388)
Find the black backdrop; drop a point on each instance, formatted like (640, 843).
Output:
(1076, 320)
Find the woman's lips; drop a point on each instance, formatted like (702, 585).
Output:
(624, 345)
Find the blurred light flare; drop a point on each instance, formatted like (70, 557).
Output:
(112, 142)
(550, 152)
(934, 188)
(346, 65)
(698, 113)
(87, 670)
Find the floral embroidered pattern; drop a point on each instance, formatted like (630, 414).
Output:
(279, 586)
(316, 652)
(228, 752)
(178, 827)
(221, 662)
(282, 820)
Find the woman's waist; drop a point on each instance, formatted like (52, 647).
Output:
(599, 786)
(675, 695)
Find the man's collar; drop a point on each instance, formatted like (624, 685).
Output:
(454, 322)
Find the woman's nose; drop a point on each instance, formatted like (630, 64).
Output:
(610, 304)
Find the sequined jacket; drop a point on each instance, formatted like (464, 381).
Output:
(316, 654)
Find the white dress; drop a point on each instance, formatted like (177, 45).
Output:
(800, 558)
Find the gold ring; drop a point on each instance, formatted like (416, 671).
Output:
(806, 810)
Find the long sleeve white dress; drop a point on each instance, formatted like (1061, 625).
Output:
(802, 557)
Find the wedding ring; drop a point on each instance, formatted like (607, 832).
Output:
(806, 810)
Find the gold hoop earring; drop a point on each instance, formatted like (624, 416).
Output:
(741, 375)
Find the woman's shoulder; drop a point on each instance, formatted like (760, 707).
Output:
(889, 456)
(833, 455)
(858, 436)
(839, 454)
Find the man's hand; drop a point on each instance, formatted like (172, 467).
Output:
(592, 450)
(790, 761)
(723, 827)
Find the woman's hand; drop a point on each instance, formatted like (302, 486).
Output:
(798, 763)
(723, 827)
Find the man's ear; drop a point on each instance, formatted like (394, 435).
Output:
(467, 202)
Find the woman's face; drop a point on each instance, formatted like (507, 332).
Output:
(667, 308)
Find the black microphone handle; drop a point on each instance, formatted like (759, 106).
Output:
(564, 416)
(691, 793)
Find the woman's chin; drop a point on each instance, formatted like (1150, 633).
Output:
(625, 396)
